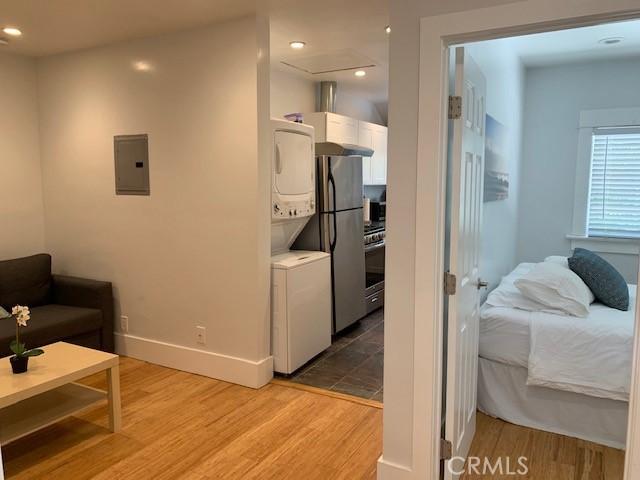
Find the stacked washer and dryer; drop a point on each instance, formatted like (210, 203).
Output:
(300, 280)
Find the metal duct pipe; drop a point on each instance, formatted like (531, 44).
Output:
(327, 99)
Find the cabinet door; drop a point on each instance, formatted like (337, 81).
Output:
(365, 139)
(379, 158)
(341, 129)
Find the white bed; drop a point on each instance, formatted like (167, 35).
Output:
(508, 389)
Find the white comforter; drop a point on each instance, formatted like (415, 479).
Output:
(591, 356)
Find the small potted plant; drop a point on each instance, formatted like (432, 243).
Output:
(20, 361)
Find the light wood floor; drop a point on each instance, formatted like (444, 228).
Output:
(182, 426)
(550, 456)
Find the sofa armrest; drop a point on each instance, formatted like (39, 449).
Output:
(81, 292)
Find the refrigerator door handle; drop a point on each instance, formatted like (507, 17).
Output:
(335, 221)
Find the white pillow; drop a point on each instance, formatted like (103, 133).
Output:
(564, 261)
(508, 296)
(556, 287)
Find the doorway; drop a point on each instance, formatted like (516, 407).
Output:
(418, 347)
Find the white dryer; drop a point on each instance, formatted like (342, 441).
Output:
(293, 182)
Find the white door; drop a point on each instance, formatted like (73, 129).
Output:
(467, 164)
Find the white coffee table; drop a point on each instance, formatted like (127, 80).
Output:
(47, 393)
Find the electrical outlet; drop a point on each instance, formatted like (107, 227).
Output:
(124, 324)
(201, 335)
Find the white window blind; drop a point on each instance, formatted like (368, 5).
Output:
(614, 195)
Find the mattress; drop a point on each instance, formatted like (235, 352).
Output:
(505, 332)
(504, 335)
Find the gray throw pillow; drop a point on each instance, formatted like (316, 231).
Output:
(606, 283)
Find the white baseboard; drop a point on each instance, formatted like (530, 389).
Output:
(392, 471)
(210, 364)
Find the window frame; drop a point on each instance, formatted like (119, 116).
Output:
(589, 121)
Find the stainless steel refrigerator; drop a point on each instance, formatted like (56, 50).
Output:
(338, 227)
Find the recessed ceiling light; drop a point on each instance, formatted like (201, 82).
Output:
(13, 31)
(297, 45)
(360, 73)
(610, 40)
(387, 29)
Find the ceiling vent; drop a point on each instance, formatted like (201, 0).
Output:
(339, 61)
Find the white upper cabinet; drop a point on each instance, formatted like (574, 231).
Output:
(365, 139)
(374, 169)
(331, 127)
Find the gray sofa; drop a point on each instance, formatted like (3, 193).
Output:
(63, 308)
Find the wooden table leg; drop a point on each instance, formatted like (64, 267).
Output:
(115, 414)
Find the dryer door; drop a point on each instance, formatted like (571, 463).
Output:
(293, 163)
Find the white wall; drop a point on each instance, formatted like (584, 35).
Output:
(554, 98)
(21, 207)
(195, 252)
(504, 73)
(294, 93)
(291, 93)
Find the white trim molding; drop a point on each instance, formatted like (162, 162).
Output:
(626, 246)
(210, 364)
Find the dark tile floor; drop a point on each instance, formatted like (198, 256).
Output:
(354, 362)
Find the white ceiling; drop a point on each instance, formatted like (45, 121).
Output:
(54, 26)
(328, 26)
(577, 45)
(331, 27)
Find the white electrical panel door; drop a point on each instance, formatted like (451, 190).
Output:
(294, 163)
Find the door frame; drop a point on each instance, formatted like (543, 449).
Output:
(422, 407)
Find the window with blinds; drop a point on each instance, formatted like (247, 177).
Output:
(614, 194)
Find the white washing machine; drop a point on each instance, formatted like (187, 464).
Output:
(300, 308)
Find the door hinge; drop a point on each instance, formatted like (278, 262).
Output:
(455, 107)
(450, 282)
(446, 449)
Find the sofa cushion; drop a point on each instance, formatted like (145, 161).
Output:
(25, 281)
(51, 323)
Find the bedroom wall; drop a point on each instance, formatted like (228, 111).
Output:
(196, 251)
(504, 73)
(21, 206)
(554, 97)
(295, 93)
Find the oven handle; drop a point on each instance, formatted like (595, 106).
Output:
(374, 246)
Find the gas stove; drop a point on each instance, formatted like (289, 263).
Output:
(374, 233)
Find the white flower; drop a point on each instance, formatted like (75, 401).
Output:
(22, 315)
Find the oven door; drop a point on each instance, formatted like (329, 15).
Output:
(374, 267)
